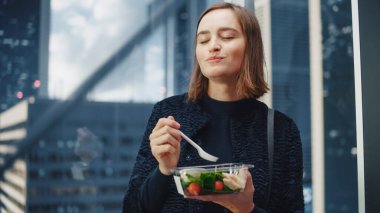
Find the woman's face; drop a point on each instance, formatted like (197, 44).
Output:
(220, 45)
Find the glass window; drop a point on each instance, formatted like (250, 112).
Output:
(79, 123)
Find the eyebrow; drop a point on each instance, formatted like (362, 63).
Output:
(222, 29)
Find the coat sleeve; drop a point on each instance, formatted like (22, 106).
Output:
(292, 193)
(144, 165)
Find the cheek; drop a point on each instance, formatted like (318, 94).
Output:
(199, 55)
(238, 50)
(238, 56)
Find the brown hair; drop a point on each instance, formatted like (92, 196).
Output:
(251, 83)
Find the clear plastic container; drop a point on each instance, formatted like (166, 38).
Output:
(211, 179)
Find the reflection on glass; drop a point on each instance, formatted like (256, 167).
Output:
(88, 146)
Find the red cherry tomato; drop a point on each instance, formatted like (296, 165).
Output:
(194, 189)
(219, 185)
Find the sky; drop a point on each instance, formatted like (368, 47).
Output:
(85, 33)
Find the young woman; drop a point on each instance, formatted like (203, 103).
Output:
(220, 112)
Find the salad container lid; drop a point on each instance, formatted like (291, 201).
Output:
(211, 179)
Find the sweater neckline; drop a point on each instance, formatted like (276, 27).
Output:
(227, 108)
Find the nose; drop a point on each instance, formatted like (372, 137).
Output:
(214, 46)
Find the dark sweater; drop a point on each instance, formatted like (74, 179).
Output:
(247, 138)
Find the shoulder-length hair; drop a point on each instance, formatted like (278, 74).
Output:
(250, 80)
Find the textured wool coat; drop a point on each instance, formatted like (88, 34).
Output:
(249, 145)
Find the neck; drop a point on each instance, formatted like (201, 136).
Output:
(222, 92)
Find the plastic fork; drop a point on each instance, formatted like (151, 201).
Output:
(203, 154)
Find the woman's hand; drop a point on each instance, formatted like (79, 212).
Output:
(241, 202)
(165, 144)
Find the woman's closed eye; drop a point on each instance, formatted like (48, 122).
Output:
(204, 41)
(226, 38)
(227, 35)
(203, 38)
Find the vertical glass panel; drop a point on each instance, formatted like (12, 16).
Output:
(290, 73)
(339, 103)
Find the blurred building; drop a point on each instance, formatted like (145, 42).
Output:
(21, 42)
(81, 164)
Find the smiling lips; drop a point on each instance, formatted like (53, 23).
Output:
(215, 59)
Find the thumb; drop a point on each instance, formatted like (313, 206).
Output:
(249, 183)
(176, 124)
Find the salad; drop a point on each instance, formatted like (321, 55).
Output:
(193, 181)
